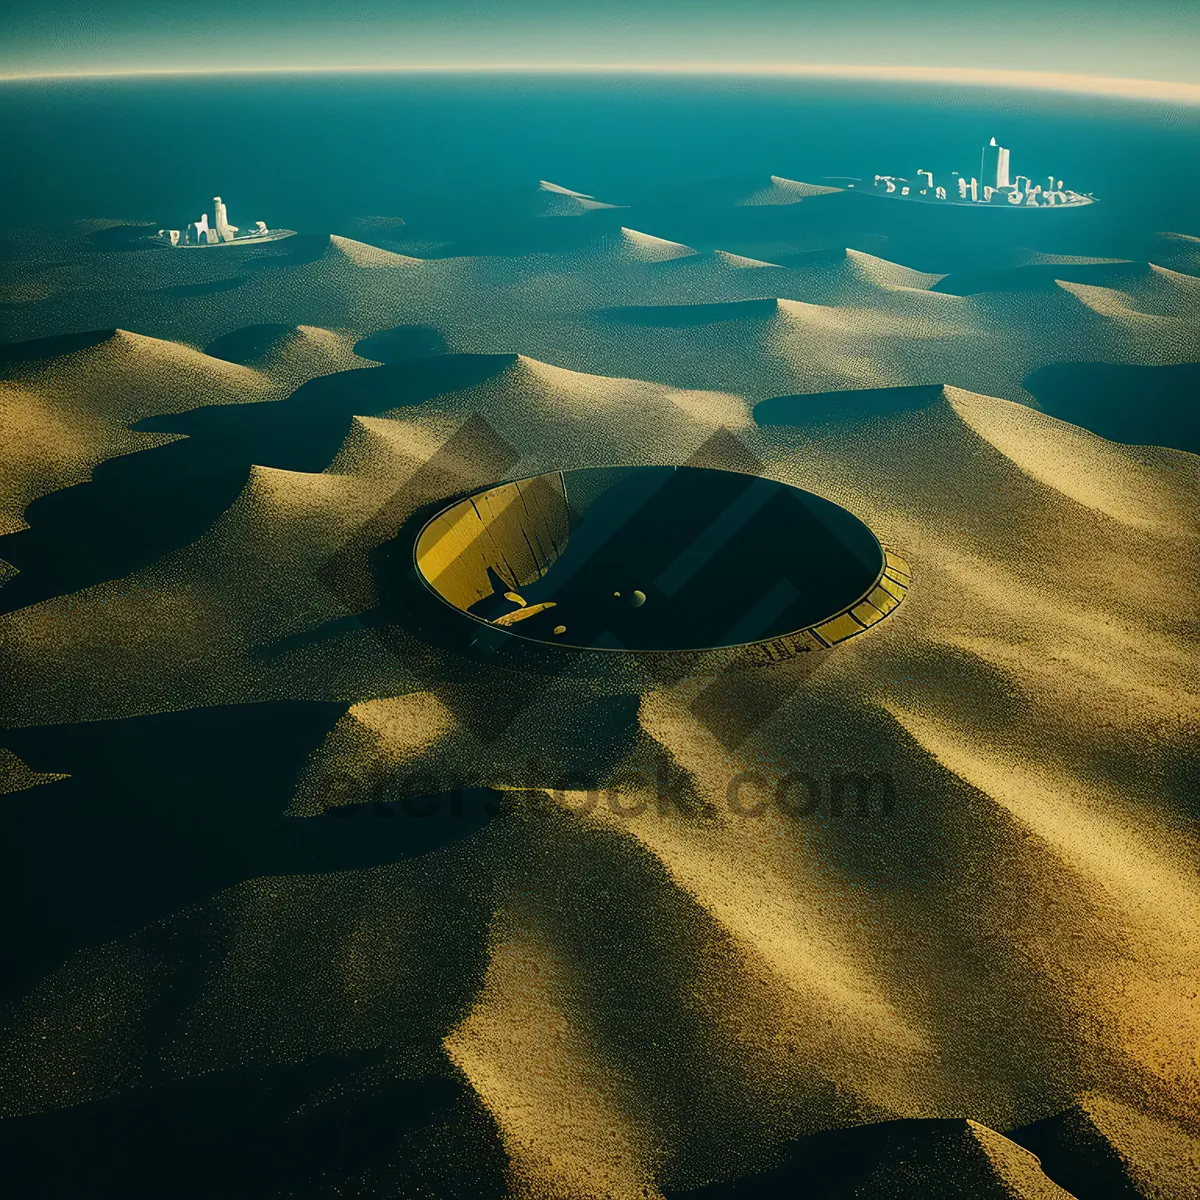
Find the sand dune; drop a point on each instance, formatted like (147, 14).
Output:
(1158, 292)
(786, 191)
(969, 1159)
(740, 261)
(563, 202)
(66, 414)
(718, 265)
(1099, 1143)
(1035, 647)
(1041, 258)
(643, 988)
(362, 255)
(884, 274)
(289, 355)
(639, 418)
(16, 776)
(1097, 474)
(643, 247)
(538, 303)
(1180, 251)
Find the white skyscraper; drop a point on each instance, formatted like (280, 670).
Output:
(993, 168)
(221, 224)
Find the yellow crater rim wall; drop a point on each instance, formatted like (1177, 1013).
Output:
(454, 548)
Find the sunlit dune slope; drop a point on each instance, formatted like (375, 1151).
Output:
(563, 202)
(363, 255)
(1180, 251)
(967, 1158)
(64, 415)
(647, 998)
(871, 319)
(786, 191)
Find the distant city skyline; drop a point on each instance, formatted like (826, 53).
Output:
(1101, 46)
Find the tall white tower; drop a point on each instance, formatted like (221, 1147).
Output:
(221, 224)
(993, 167)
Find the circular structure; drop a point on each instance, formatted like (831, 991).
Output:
(660, 559)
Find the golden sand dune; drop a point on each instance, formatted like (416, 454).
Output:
(64, 415)
(786, 191)
(1178, 250)
(644, 1000)
(1039, 258)
(563, 202)
(844, 274)
(907, 336)
(967, 1159)
(362, 255)
(608, 420)
(644, 247)
(1158, 293)
(1086, 468)
(740, 261)
(16, 776)
(291, 355)
(1121, 1141)
(831, 277)
(547, 306)
(648, 999)
(718, 266)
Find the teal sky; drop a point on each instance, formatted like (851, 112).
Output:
(1146, 39)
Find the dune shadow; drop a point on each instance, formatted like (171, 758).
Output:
(686, 316)
(853, 404)
(120, 238)
(213, 288)
(248, 344)
(841, 1163)
(162, 811)
(305, 1129)
(401, 343)
(38, 349)
(1140, 406)
(138, 507)
(1039, 277)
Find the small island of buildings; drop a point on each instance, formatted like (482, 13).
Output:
(199, 233)
(993, 186)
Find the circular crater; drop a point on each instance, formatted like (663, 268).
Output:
(660, 559)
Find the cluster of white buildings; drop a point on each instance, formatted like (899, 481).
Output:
(220, 232)
(993, 185)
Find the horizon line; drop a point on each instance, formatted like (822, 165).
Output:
(1171, 91)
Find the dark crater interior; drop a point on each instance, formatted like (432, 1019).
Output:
(654, 558)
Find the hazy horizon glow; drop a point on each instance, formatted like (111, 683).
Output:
(1098, 85)
(1156, 42)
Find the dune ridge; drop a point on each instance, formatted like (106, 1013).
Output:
(644, 247)
(66, 415)
(363, 255)
(645, 987)
(563, 202)
(785, 191)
